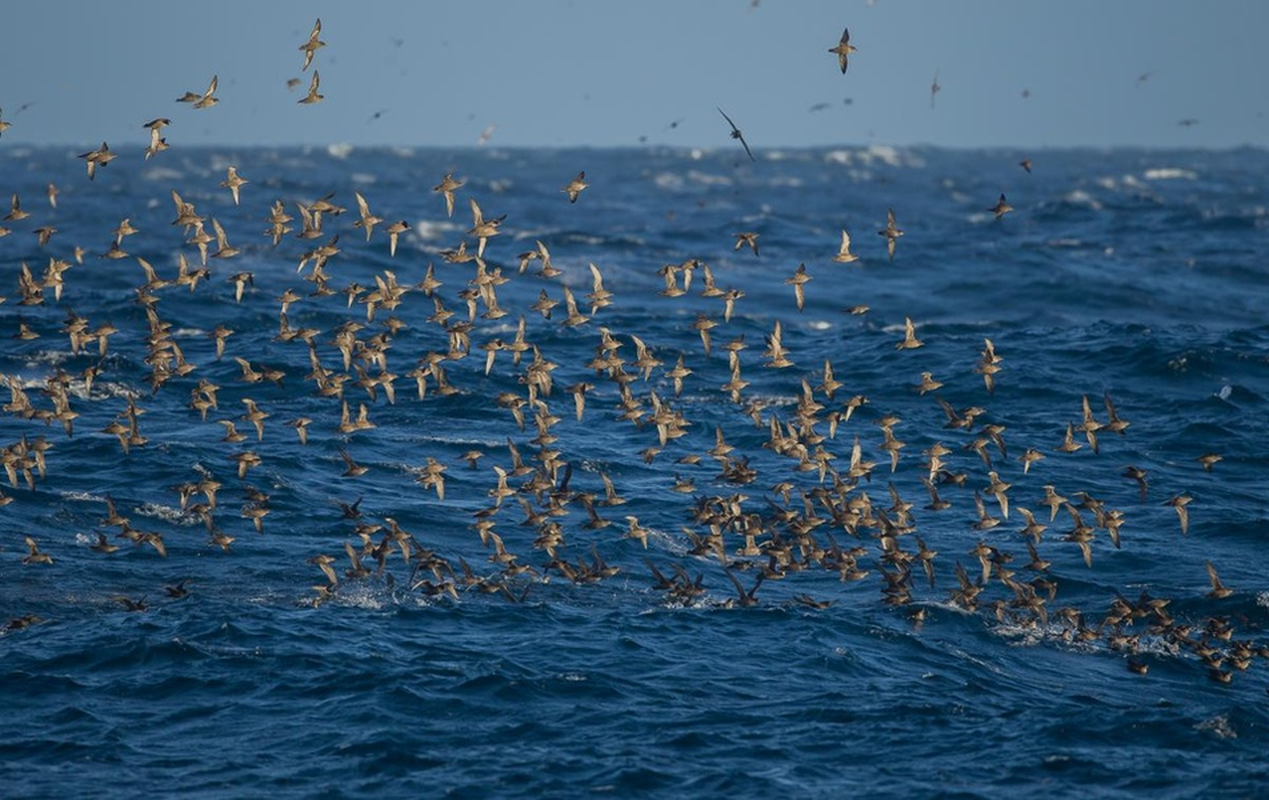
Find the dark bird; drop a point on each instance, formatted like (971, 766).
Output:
(1001, 208)
(736, 134)
(843, 49)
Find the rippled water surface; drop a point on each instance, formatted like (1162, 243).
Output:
(770, 629)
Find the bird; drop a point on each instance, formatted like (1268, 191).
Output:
(446, 187)
(746, 238)
(310, 47)
(843, 49)
(34, 554)
(99, 157)
(892, 232)
(910, 342)
(575, 187)
(394, 232)
(205, 100)
(312, 96)
(736, 134)
(368, 221)
(232, 182)
(1208, 460)
(353, 468)
(1179, 502)
(799, 281)
(4, 126)
(16, 213)
(844, 256)
(1219, 590)
(1001, 208)
(934, 88)
(482, 228)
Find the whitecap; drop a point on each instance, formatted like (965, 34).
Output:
(1218, 725)
(1169, 173)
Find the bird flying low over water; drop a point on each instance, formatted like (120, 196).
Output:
(736, 134)
(1002, 207)
(892, 232)
(843, 49)
(575, 187)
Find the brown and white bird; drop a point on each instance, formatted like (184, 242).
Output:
(312, 96)
(205, 100)
(575, 187)
(892, 233)
(311, 46)
(99, 157)
(844, 256)
(843, 49)
(233, 182)
(1002, 207)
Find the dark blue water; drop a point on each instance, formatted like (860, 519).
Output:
(566, 666)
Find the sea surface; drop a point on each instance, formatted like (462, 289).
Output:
(765, 626)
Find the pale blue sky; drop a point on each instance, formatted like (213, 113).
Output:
(578, 73)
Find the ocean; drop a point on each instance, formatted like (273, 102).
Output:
(726, 573)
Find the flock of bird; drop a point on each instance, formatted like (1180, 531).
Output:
(799, 504)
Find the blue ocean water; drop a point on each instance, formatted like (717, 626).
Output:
(537, 641)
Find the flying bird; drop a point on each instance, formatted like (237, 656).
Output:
(736, 134)
(575, 187)
(1001, 208)
(892, 232)
(205, 100)
(312, 96)
(310, 47)
(843, 49)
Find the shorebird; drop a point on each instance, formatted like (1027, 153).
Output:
(157, 143)
(891, 232)
(16, 213)
(1208, 460)
(368, 221)
(736, 134)
(101, 156)
(446, 187)
(746, 238)
(353, 468)
(394, 232)
(799, 281)
(205, 100)
(34, 555)
(1179, 503)
(910, 342)
(844, 48)
(233, 182)
(575, 187)
(310, 47)
(844, 256)
(312, 96)
(482, 228)
(1139, 475)
(1219, 590)
(1001, 208)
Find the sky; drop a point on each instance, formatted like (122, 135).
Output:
(567, 73)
